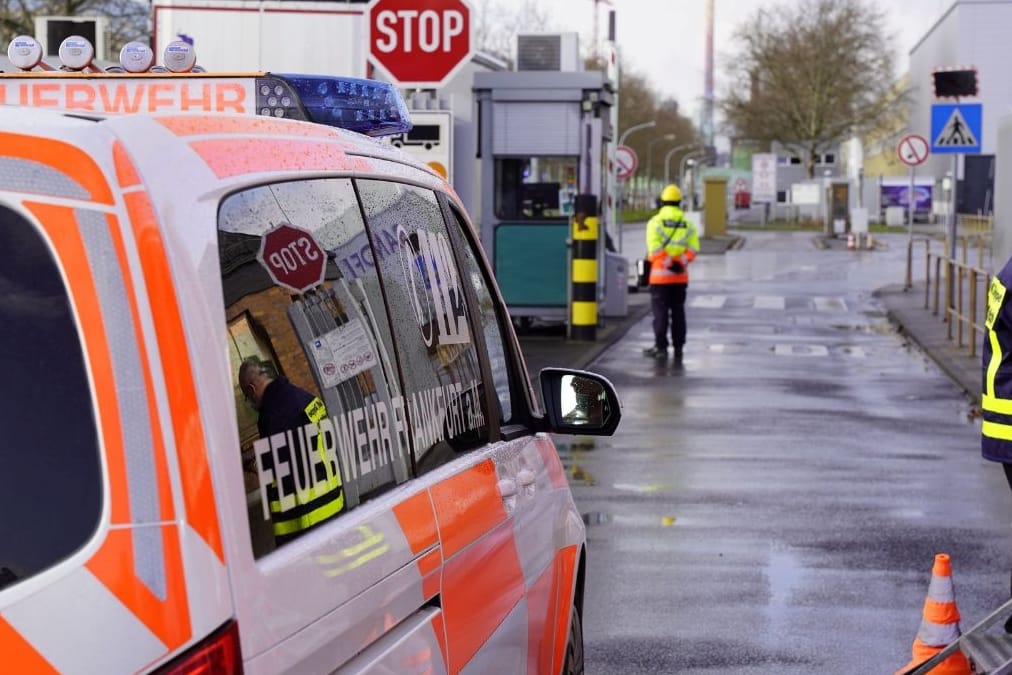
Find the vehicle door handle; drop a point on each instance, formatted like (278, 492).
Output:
(507, 487)
(526, 477)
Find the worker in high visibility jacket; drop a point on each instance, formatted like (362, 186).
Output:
(310, 491)
(996, 399)
(672, 243)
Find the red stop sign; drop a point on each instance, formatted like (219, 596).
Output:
(420, 43)
(292, 258)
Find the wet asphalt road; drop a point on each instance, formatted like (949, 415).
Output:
(775, 505)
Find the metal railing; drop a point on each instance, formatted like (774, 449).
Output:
(961, 286)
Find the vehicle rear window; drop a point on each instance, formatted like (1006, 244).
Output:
(50, 485)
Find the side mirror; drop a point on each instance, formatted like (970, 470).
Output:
(579, 402)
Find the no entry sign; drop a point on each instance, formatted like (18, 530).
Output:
(293, 258)
(420, 44)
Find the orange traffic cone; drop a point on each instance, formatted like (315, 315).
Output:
(939, 624)
(850, 241)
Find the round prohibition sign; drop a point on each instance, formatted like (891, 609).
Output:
(913, 150)
(625, 161)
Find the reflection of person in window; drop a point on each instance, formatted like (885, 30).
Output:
(283, 412)
(589, 408)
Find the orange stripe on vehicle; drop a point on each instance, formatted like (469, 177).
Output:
(565, 563)
(114, 565)
(468, 504)
(190, 125)
(549, 455)
(194, 470)
(238, 156)
(63, 231)
(541, 600)
(481, 586)
(18, 655)
(160, 459)
(417, 520)
(126, 173)
(440, 631)
(428, 567)
(63, 157)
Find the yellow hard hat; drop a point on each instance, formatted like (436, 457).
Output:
(671, 193)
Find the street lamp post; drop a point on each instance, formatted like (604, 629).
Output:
(621, 191)
(667, 159)
(691, 157)
(650, 158)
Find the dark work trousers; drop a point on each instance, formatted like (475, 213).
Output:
(668, 302)
(1008, 477)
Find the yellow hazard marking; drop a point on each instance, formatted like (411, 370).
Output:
(584, 314)
(584, 271)
(585, 229)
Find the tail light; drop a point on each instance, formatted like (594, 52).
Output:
(218, 654)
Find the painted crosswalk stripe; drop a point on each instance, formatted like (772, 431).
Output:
(709, 301)
(770, 302)
(801, 350)
(857, 352)
(830, 304)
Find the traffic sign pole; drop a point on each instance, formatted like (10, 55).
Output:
(912, 150)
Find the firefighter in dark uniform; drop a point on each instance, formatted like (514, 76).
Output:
(282, 407)
(996, 400)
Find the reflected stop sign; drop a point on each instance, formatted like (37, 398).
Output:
(292, 257)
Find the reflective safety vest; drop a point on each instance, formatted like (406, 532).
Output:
(322, 497)
(996, 400)
(670, 237)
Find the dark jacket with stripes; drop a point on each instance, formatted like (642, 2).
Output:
(996, 401)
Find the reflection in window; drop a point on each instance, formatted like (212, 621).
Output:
(535, 188)
(320, 417)
(444, 391)
(490, 323)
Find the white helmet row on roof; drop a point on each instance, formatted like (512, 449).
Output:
(77, 54)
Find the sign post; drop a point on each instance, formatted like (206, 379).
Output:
(764, 181)
(420, 45)
(912, 151)
(955, 129)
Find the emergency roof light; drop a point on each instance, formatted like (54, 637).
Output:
(25, 52)
(365, 106)
(368, 107)
(76, 53)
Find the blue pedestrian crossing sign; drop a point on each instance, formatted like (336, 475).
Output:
(956, 127)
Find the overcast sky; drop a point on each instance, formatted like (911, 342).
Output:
(664, 39)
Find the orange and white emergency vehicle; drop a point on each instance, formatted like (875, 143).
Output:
(264, 407)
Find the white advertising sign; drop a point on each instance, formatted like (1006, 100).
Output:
(764, 177)
(343, 353)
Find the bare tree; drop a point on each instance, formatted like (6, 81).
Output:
(497, 24)
(810, 75)
(126, 19)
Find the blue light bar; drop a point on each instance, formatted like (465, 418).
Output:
(364, 106)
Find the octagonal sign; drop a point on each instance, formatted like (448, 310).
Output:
(292, 257)
(420, 43)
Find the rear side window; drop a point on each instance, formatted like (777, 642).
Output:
(436, 350)
(321, 420)
(51, 484)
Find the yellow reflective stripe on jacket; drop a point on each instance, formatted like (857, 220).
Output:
(317, 411)
(991, 403)
(1002, 432)
(995, 297)
(307, 520)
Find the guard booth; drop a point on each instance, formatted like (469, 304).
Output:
(542, 137)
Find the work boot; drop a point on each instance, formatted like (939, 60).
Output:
(656, 352)
(678, 354)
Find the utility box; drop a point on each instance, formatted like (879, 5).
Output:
(715, 205)
(616, 285)
(541, 141)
